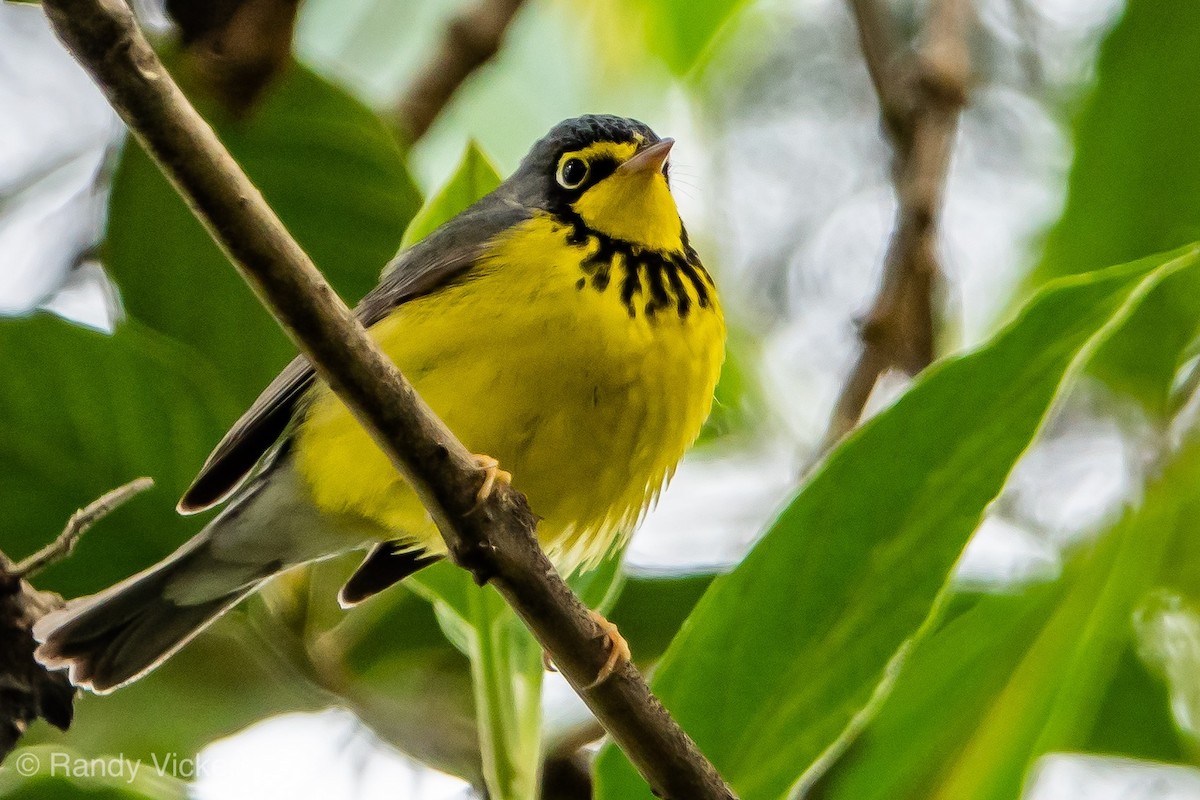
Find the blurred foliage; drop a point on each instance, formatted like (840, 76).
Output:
(1135, 184)
(134, 403)
(680, 32)
(839, 654)
(1135, 181)
(474, 177)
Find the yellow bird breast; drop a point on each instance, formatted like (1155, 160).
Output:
(586, 372)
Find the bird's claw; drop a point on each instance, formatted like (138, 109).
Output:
(618, 653)
(492, 474)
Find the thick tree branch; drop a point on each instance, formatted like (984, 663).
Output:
(496, 541)
(920, 98)
(469, 41)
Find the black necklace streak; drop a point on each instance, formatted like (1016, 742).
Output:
(649, 278)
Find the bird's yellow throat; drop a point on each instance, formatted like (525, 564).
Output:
(636, 207)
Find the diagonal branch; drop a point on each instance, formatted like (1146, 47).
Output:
(495, 540)
(920, 98)
(469, 41)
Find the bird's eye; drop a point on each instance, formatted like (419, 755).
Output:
(572, 173)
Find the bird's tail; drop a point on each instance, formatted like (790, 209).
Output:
(112, 638)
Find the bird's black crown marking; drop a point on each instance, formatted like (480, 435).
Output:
(534, 184)
(578, 133)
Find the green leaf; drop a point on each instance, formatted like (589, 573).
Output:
(651, 609)
(1135, 183)
(85, 412)
(1134, 718)
(681, 31)
(1142, 362)
(782, 655)
(1053, 698)
(993, 677)
(506, 670)
(329, 168)
(938, 698)
(474, 177)
(976, 706)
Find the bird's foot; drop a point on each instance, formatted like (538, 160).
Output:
(618, 652)
(492, 474)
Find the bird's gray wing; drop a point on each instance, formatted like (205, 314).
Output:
(445, 254)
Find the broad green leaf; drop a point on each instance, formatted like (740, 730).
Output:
(782, 655)
(1135, 182)
(954, 677)
(1142, 362)
(474, 177)
(681, 31)
(83, 413)
(938, 697)
(329, 168)
(651, 609)
(1053, 699)
(975, 707)
(1134, 719)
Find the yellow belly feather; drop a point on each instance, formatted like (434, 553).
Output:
(589, 408)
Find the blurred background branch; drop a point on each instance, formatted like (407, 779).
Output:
(920, 97)
(470, 40)
(237, 46)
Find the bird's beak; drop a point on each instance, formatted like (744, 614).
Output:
(648, 161)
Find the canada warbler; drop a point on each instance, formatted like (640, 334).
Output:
(562, 325)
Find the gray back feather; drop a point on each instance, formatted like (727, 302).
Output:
(443, 256)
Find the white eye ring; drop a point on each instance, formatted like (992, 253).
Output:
(572, 172)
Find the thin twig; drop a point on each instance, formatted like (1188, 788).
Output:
(469, 41)
(495, 541)
(920, 99)
(78, 525)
